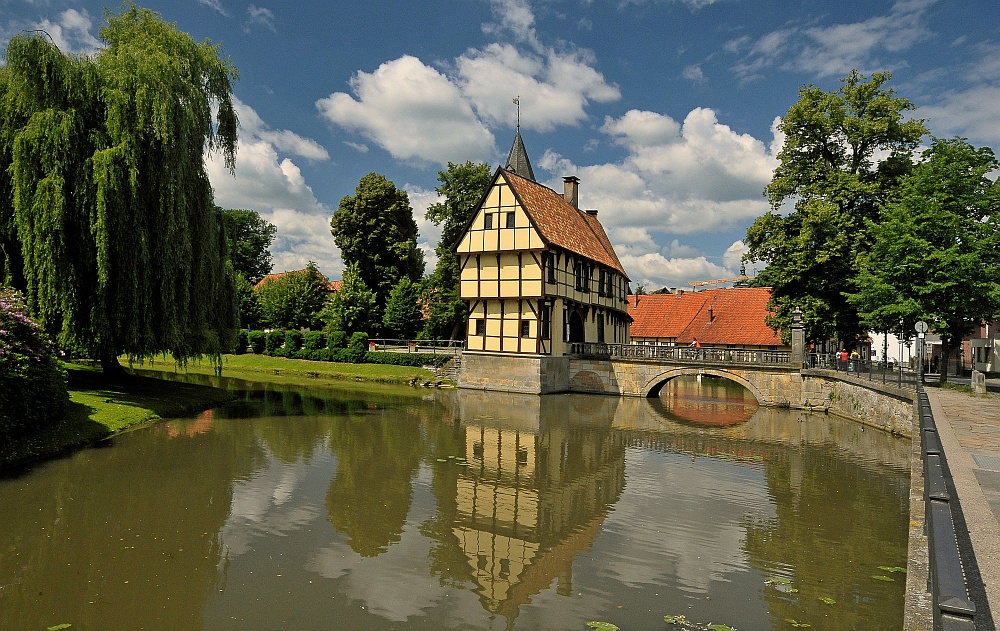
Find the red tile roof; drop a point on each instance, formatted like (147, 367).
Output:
(562, 225)
(715, 317)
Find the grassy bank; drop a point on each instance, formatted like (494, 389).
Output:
(263, 368)
(99, 409)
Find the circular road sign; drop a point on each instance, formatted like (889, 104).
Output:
(920, 326)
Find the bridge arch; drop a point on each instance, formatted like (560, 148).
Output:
(653, 386)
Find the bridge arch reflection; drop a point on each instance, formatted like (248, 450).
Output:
(653, 386)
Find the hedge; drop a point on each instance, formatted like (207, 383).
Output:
(242, 341)
(256, 341)
(416, 360)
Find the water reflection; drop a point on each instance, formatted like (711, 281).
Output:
(380, 509)
(705, 400)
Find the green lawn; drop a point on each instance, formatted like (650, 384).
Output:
(292, 371)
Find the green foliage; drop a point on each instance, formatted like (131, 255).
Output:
(273, 341)
(314, 341)
(338, 339)
(257, 341)
(406, 359)
(462, 186)
(376, 231)
(33, 395)
(843, 155)
(352, 308)
(293, 341)
(936, 249)
(106, 216)
(357, 348)
(294, 300)
(249, 238)
(402, 311)
(249, 306)
(242, 341)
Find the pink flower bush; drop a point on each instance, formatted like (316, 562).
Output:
(32, 379)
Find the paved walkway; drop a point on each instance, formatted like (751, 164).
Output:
(969, 429)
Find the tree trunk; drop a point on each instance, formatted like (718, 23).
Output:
(113, 371)
(943, 361)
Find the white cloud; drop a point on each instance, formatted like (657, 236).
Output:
(554, 87)
(424, 114)
(836, 49)
(653, 270)
(969, 109)
(694, 177)
(259, 16)
(216, 5)
(268, 180)
(694, 73)
(412, 111)
(71, 31)
(429, 234)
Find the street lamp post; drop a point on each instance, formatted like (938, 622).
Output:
(920, 327)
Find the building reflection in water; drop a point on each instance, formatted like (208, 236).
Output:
(534, 492)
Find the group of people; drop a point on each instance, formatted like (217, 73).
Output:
(848, 361)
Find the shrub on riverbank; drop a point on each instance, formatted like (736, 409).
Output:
(34, 392)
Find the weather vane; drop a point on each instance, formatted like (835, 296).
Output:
(517, 102)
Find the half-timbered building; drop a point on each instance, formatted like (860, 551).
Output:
(537, 272)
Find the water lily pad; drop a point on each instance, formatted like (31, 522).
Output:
(797, 624)
(887, 579)
(59, 627)
(896, 569)
(781, 581)
(791, 590)
(442, 460)
(719, 627)
(602, 626)
(675, 619)
(828, 600)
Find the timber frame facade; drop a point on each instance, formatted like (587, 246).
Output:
(538, 273)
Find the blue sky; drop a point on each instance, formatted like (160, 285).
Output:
(665, 109)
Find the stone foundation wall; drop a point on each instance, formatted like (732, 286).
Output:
(504, 372)
(870, 402)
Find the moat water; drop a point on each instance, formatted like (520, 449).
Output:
(377, 508)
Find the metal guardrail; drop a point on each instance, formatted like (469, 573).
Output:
(681, 354)
(434, 347)
(893, 374)
(953, 608)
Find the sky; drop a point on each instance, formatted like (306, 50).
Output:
(665, 109)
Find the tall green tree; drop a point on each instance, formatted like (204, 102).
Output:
(375, 229)
(936, 250)
(250, 238)
(106, 213)
(352, 309)
(462, 186)
(294, 300)
(401, 318)
(843, 155)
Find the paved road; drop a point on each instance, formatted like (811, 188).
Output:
(969, 428)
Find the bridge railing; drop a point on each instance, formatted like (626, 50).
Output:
(649, 352)
(892, 374)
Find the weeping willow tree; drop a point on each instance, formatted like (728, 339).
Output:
(107, 220)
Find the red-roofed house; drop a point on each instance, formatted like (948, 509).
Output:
(719, 318)
(538, 274)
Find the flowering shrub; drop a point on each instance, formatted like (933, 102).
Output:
(33, 393)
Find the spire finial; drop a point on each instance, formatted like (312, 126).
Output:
(517, 102)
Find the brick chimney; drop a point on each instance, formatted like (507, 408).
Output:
(571, 190)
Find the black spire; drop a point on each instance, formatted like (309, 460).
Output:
(518, 161)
